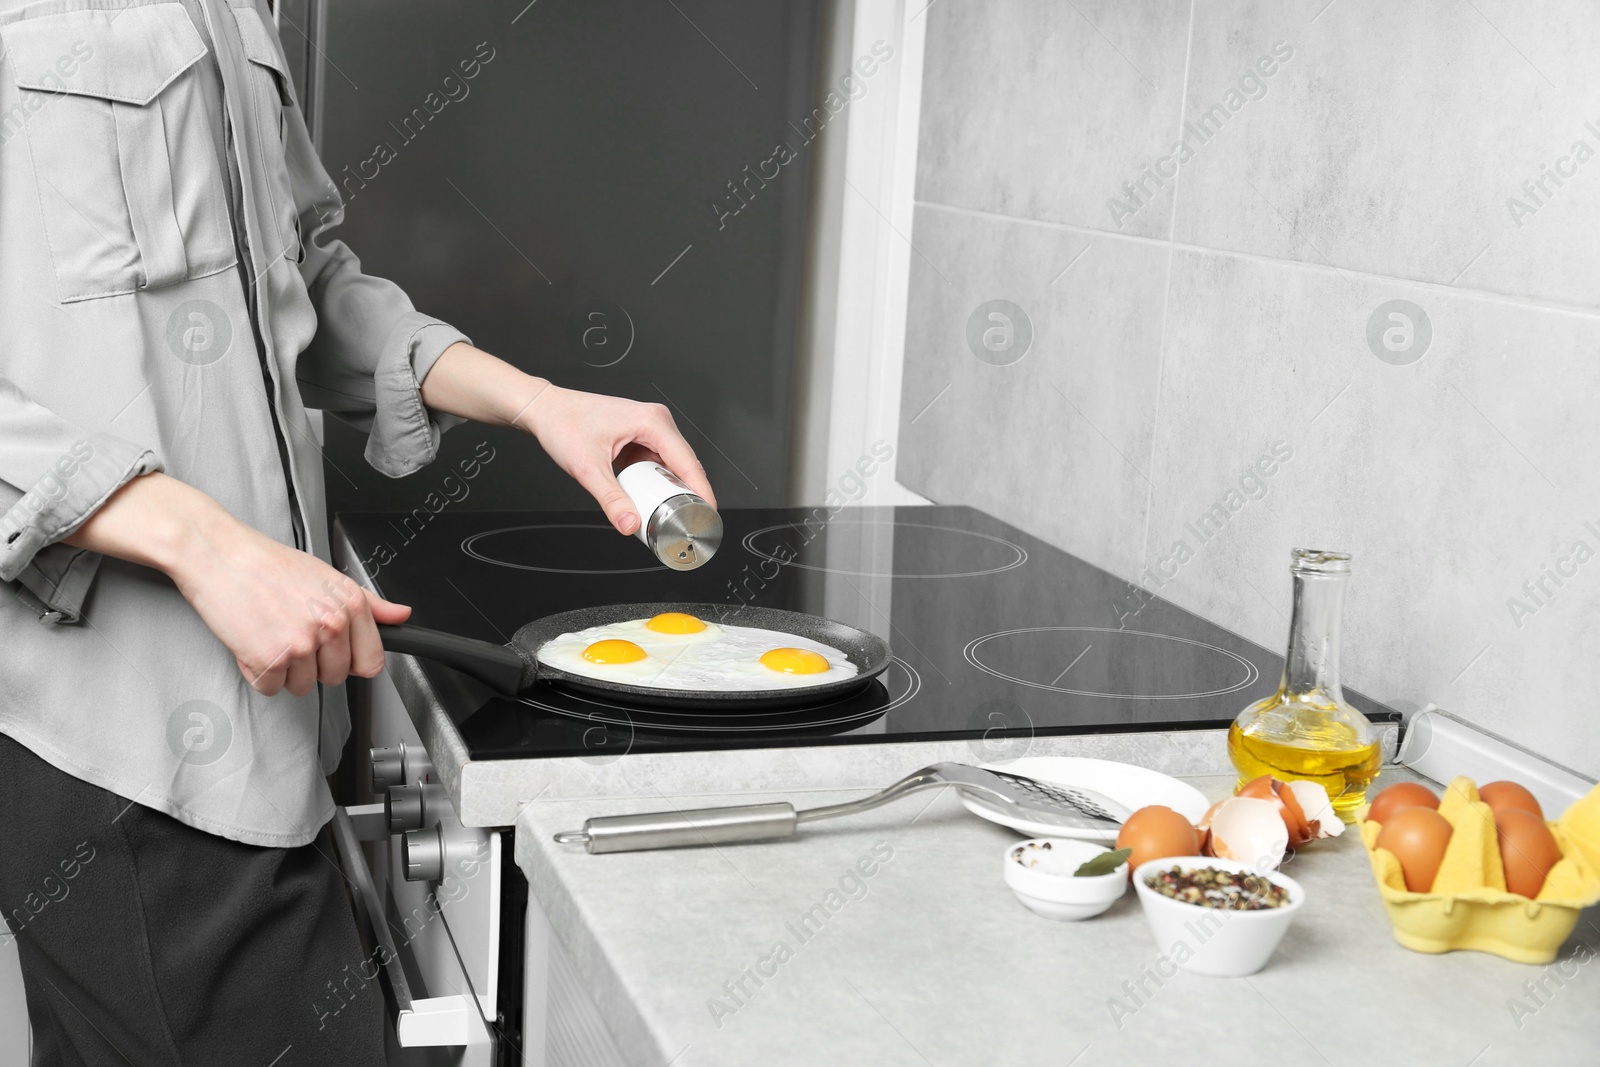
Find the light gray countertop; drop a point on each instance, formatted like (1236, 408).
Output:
(931, 960)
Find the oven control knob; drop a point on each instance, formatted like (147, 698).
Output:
(388, 768)
(422, 855)
(403, 808)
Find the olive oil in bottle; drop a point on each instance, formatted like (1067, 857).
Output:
(1344, 772)
(1306, 730)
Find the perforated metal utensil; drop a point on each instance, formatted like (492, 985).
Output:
(1066, 806)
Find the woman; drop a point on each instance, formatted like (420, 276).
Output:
(170, 701)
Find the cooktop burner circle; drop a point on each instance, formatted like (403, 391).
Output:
(997, 553)
(901, 681)
(1132, 673)
(482, 553)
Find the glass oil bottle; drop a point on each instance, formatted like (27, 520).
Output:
(1306, 730)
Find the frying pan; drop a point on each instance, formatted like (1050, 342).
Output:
(514, 667)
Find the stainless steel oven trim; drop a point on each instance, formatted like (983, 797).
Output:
(448, 1021)
(369, 908)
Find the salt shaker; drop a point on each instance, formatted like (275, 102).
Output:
(677, 525)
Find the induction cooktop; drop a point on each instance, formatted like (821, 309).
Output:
(995, 633)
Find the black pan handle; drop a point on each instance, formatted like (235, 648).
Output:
(497, 666)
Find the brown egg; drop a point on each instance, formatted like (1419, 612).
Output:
(1156, 832)
(1509, 796)
(1398, 796)
(1527, 850)
(1417, 838)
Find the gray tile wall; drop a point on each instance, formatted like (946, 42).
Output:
(1214, 375)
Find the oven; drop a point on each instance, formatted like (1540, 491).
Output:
(429, 895)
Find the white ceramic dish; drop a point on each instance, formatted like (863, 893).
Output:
(1039, 872)
(1133, 786)
(1223, 944)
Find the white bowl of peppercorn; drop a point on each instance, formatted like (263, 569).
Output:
(1216, 917)
(1043, 873)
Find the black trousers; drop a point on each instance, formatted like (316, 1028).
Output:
(144, 941)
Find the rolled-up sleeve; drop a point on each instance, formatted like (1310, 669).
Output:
(372, 348)
(53, 476)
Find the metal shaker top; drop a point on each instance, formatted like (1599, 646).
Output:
(684, 532)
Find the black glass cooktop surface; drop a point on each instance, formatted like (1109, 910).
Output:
(996, 635)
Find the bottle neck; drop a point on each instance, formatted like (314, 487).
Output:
(1311, 665)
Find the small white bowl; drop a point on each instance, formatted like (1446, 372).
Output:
(1223, 944)
(1039, 871)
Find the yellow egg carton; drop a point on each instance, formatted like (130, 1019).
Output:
(1469, 907)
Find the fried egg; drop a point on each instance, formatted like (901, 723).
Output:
(674, 650)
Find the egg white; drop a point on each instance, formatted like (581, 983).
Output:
(716, 659)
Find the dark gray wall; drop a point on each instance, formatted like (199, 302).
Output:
(563, 179)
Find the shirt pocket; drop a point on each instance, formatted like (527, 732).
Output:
(127, 173)
(270, 99)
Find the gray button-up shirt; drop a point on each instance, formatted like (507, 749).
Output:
(169, 300)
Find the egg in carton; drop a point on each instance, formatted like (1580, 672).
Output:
(1468, 906)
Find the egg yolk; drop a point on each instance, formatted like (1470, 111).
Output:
(794, 661)
(675, 622)
(613, 651)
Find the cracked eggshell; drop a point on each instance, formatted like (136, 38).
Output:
(1272, 790)
(1249, 830)
(1322, 820)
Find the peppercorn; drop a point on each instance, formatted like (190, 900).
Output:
(1209, 887)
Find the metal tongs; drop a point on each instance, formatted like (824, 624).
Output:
(1066, 806)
